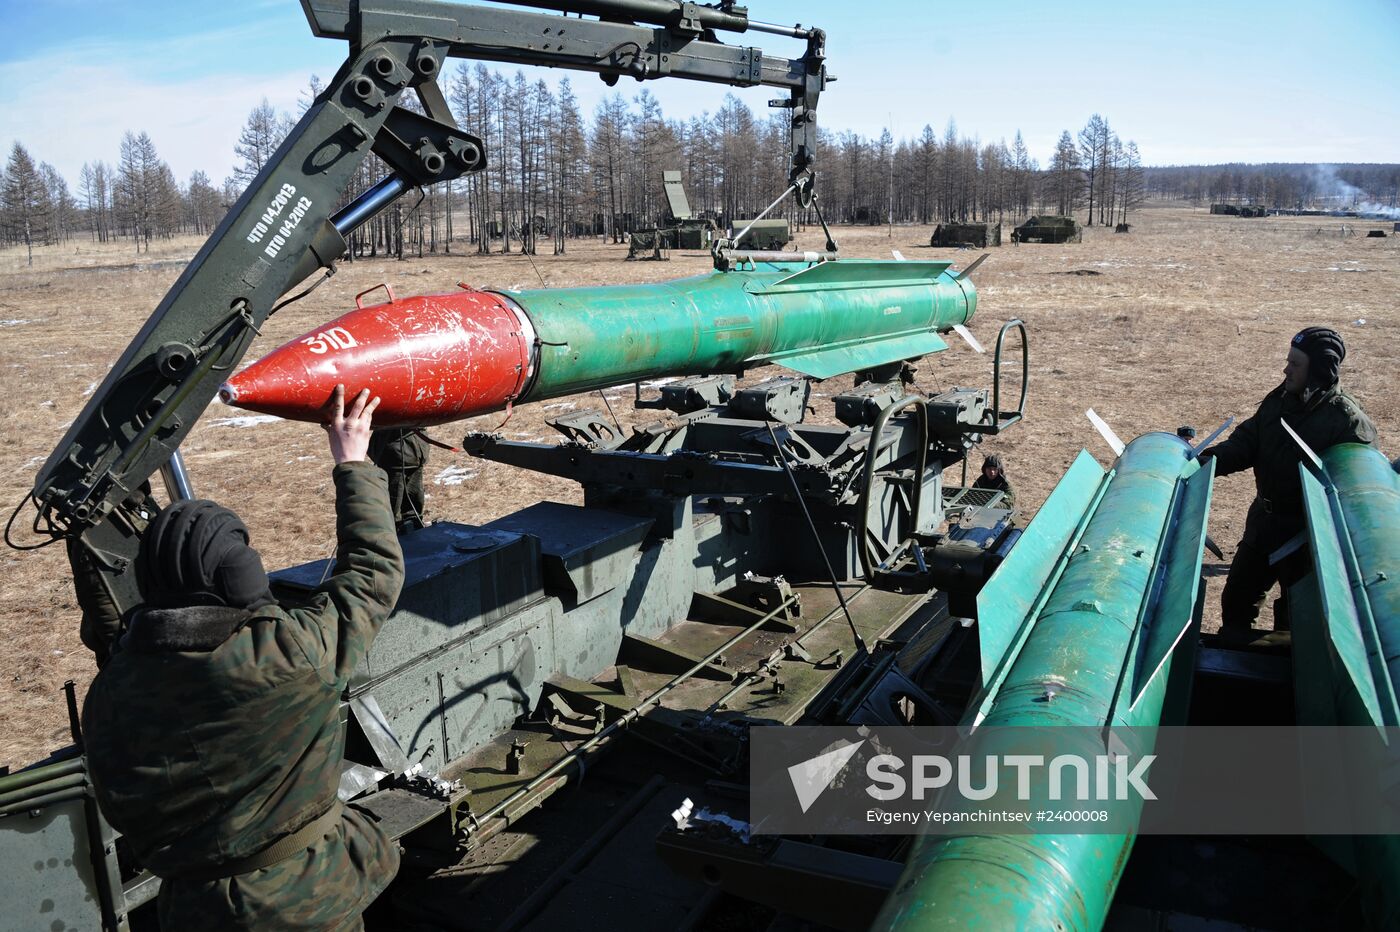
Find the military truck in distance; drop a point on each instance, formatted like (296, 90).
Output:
(1239, 210)
(1048, 229)
(683, 229)
(976, 235)
(765, 234)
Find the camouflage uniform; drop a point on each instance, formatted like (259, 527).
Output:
(402, 454)
(1329, 417)
(215, 732)
(1000, 484)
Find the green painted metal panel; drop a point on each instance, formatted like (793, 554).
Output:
(825, 363)
(1316, 687)
(1367, 496)
(1176, 609)
(727, 321)
(1351, 604)
(854, 274)
(1338, 609)
(1008, 602)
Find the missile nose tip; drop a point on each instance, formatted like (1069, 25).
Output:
(228, 393)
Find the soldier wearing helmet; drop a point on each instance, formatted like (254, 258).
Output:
(1311, 401)
(994, 477)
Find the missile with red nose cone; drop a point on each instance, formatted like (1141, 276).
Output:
(439, 358)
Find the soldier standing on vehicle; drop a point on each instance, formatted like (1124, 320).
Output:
(1312, 402)
(213, 733)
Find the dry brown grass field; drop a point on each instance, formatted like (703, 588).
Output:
(1185, 320)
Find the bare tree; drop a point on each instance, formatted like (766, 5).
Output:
(203, 204)
(261, 136)
(1090, 157)
(24, 198)
(142, 188)
(1064, 180)
(62, 207)
(1134, 187)
(608, 158)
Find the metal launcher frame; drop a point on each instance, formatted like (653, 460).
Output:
(285, 227)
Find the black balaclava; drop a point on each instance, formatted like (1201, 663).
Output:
(1325, 351)
(196, 553)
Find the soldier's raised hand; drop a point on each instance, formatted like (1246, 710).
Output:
(348, 431)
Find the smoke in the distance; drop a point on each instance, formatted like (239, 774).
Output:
(1348, 196)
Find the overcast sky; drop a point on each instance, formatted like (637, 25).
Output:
(1189, 81)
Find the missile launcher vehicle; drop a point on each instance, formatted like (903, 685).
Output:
(558, 720)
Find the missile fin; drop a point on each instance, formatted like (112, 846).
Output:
(854, 273)
(1179, 592)
(1009, 603)
(1357, 648)
(831, 361)
(1196, 450)
(1106, 432)
(1308, 455)
(973, 267)
(971, 340)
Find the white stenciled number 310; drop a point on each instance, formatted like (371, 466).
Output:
(326, 340)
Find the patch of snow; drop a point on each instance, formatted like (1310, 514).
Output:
(92, 387)
(247, 420)
(18, 322)
(454, 475)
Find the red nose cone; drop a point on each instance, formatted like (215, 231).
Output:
(430, 359)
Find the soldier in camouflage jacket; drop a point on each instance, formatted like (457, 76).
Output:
(213, 733)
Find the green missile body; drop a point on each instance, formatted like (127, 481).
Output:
(1080, 626)
(437, 358)
(1346, 631)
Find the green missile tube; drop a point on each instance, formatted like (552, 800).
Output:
(1346, 631)
(1080, 626)
(820, 320)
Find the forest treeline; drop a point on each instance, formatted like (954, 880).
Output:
(555, 174)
